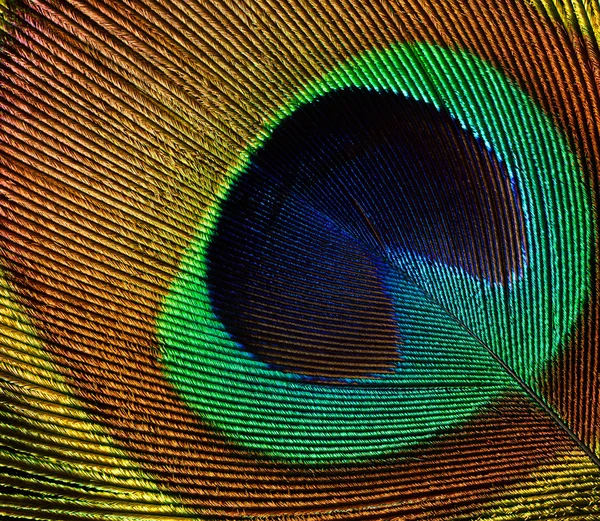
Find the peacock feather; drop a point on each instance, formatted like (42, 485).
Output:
(299, 260)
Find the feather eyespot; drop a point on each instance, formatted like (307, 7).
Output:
(299, 260)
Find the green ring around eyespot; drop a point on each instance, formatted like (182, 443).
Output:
(288, 418)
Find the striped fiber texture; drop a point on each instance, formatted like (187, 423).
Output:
(299, 260)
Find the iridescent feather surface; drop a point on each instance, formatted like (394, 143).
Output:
(316, 260)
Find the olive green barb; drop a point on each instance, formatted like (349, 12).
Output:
(60, 447)
(3, 11)
(581, 16)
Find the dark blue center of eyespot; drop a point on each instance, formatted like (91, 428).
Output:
(305, 236)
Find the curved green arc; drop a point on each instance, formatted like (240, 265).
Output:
(282, 415)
